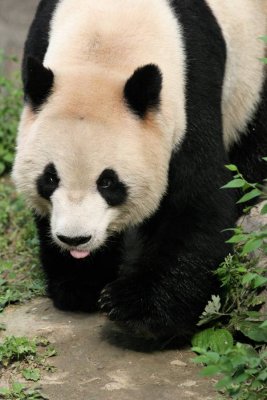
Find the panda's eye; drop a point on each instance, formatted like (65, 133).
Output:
(48, 182)
(111, 188)
(105, 183)
(52, 179)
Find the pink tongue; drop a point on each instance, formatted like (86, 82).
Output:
(79, 254)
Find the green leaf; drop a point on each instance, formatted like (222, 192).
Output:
(252, 245)
(17, 387)
(235, 183)
(264, 324)
(248, 278)
(264, 60)
(253, 331)
(222, 341)
(253, 314)
(202, 339)
(211, 370)
(31, 374)
(259, 281)
(4, 390)
(250, 195)
(263, 38)
(237, 238)
(218, 341)
(231, 167)
(223, 383)
(263, 376)
(264, 209)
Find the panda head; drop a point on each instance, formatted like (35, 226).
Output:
(91, 154)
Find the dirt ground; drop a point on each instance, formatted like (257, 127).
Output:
(94, 361)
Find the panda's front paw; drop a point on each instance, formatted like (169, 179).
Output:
(142, 308)
(74, 296)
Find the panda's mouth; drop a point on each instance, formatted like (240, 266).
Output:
(79, 254)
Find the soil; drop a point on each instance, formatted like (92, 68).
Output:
(97, 362)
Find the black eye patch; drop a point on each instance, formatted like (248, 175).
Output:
(48, 182)
(111, 188)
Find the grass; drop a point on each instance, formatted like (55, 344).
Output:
(28, 359)
(18, 391)
(10, 108)
(20, 275)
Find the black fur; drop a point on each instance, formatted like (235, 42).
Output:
(142, 90)
(166, 264)
(76, 284)
(38, 83)
(35, 47)
(48, 182)
(169, 278)
(111, 188)
(252, 146)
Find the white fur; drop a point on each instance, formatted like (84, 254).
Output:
(89, 216)
(120, 36)
(242, 23)
(95, 46)
(85, 127)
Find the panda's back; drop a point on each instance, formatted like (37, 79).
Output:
(242, 22)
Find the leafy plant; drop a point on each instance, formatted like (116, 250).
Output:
(10, 107)
(242, 368)
(28, 358)
(235, 315)
(18, 391)
(16, 349)
(20, 275)
(31, 374)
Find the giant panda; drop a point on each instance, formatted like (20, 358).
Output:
(132, 110)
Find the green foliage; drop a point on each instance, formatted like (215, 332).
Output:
(28, 358)
(33, 351)
(31, 374)
(20, 275)
(10, 108)
(241, 367)
(19, 392)
(15, 349)
(248, 241)
(241, 280)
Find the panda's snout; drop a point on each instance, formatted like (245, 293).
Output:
(74, 241)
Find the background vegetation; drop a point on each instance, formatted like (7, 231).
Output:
(20, 275)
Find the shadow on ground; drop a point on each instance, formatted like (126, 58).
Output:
(94, 362)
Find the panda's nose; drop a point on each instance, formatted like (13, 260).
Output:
(75, 240)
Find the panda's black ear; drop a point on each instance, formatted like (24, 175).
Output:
(143, 88)
(38, 82)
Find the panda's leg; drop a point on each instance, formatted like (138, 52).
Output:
(75, 284)
(167, 281)
(247, 154)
